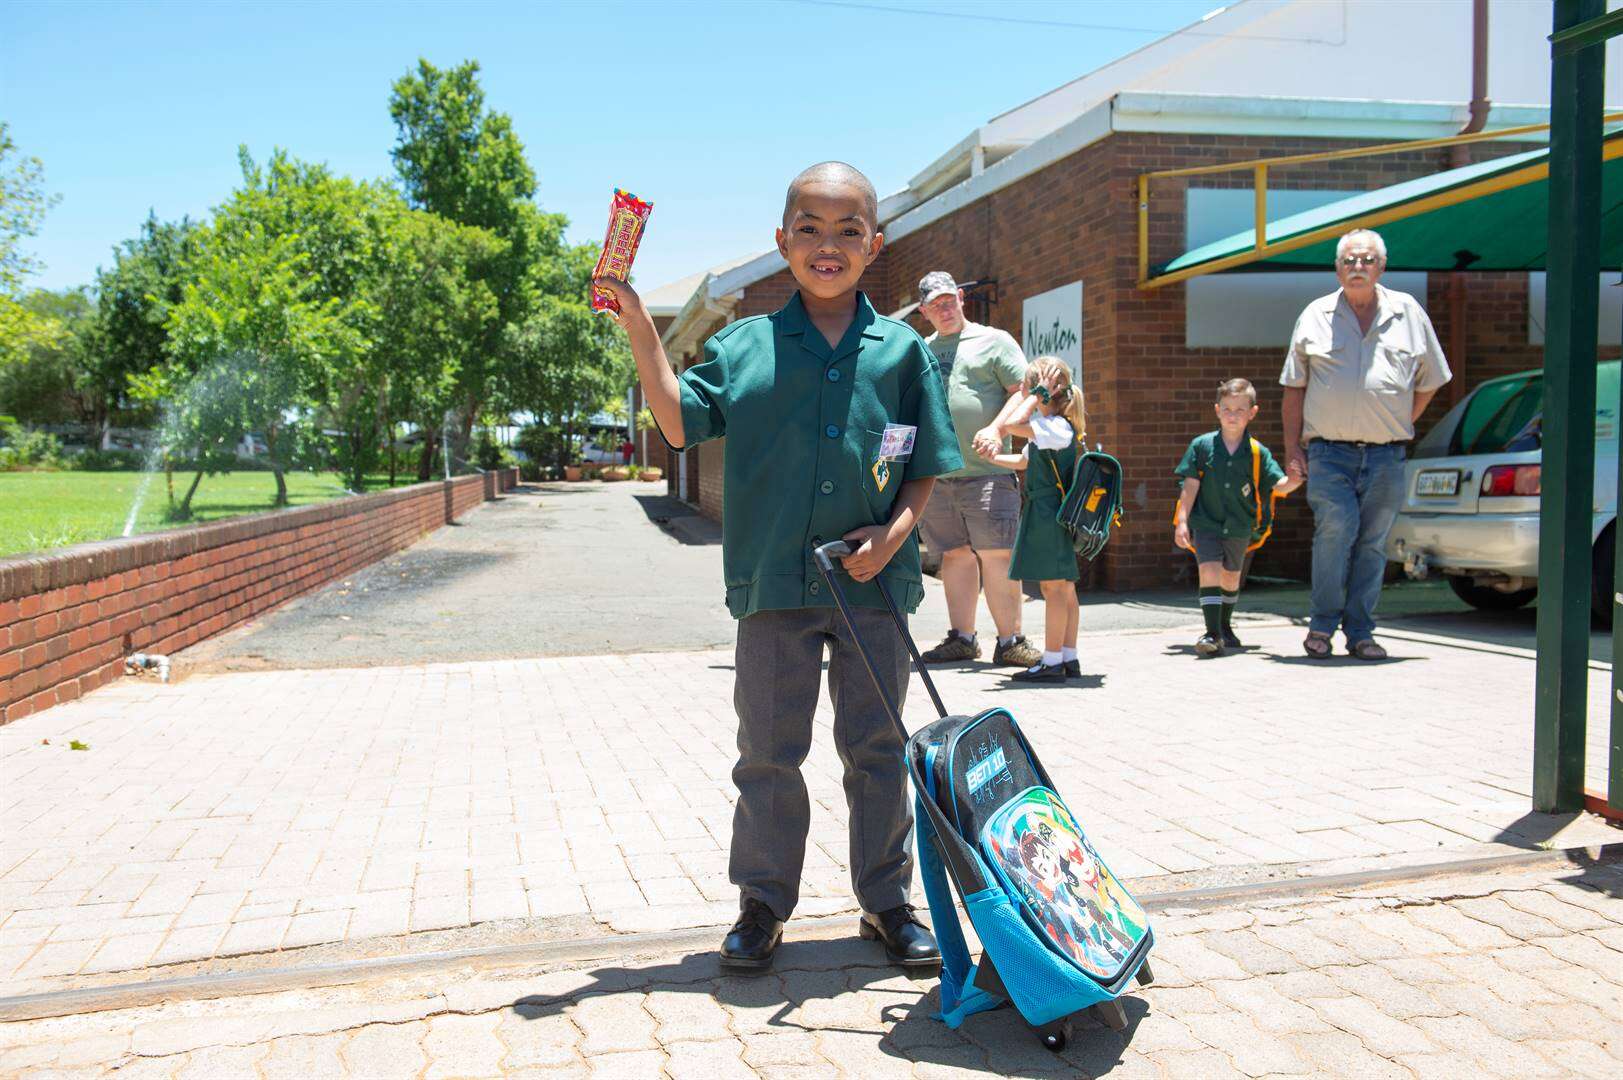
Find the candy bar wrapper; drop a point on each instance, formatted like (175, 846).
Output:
(627, 216)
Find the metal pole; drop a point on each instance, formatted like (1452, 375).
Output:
(1614, 761)
(1561, 690)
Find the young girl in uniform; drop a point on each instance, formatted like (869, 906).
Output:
(1050, 415)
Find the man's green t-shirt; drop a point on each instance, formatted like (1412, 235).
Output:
(979, 363)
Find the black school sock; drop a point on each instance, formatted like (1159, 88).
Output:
(1211, 607)
(1229, 600)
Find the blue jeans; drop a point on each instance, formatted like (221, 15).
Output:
(1355, 493)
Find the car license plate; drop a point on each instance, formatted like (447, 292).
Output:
(1438, 482)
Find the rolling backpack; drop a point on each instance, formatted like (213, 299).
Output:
(1059, 932)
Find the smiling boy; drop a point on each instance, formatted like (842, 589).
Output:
(804, 397)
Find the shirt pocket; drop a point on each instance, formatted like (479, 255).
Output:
(1392, 370)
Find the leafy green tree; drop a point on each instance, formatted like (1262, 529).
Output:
(134, 297)
(463, 162)
(44, 382)
(435, 311)
(565, 359)
(23, 203)
(247, 343)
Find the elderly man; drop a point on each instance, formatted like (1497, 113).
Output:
(1362, 366)
(973, 515)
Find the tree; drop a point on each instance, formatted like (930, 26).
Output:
(133, 300)
(23, 203)
(464, 163)
(45, 381)
(565, 358)
(246, 342)
(435, 310)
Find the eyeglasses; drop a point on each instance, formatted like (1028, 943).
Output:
(1360, 260)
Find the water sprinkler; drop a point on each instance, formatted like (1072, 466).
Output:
(140, 662)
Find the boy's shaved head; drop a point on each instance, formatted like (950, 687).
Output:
(835, 172)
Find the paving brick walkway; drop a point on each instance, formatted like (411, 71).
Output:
(1512, 975)
(246, 813)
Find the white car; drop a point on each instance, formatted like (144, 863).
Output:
(1471, 494)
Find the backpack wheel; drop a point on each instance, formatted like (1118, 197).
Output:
(1145, 976)
(1111, 1012)
(1055, 1034)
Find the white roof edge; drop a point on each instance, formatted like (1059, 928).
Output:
(1086, 129)
(1137, 110)
(763, 265)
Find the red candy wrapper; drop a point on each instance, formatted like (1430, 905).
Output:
(627, 216)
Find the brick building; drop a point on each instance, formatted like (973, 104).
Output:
(1040, 206)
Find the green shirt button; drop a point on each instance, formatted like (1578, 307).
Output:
(826, 487)
(832, 431)
(833, 374)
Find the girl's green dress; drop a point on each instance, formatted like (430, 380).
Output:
(1042, 548)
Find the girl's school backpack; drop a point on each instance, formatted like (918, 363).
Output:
(1092, 503)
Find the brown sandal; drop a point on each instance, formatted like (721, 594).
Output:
(1368, 649)
(1317, 645)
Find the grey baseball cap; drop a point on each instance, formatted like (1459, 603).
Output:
(935, 283)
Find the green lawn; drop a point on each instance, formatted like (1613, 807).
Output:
(40, 510)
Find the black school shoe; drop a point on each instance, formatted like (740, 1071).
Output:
(1208, 646)
(1044, 673)
(754, 938)
(1230, 641)
(907, 942)
(1073, 669)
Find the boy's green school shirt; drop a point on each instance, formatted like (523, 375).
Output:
(803, 424)
(1226, 503)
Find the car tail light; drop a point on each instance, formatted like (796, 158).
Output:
(1511, 480)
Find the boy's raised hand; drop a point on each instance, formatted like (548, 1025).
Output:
(622, 291)
(871, 549)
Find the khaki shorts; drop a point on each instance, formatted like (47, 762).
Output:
(980, 512)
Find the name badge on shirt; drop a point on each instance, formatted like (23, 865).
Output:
(895, 444)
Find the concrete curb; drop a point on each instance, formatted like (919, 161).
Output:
(623, 947)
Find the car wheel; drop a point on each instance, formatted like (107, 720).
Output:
(1487, 598)
(1600, 589)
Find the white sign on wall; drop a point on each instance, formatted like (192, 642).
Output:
(1051, 325)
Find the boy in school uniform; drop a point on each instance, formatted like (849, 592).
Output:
(804, 397)
(1225, 508)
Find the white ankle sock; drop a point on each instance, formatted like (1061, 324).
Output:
(1051, 658)
(1067, 655)
(1003, 641)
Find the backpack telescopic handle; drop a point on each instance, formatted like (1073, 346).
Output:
(824, 557)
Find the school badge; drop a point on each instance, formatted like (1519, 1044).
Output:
(881, 473)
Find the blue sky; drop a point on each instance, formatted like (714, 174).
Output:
(706, 108)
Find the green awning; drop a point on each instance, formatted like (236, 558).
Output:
(1490, 216)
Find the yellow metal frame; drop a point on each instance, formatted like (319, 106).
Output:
(1260, 168)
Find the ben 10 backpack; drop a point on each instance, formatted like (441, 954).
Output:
(1264, 526)
(1091, 505)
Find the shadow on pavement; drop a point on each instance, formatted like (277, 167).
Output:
(812, 987)
(679, 520)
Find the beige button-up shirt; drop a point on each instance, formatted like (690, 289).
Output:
(1361, 386)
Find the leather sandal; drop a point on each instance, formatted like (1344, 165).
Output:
(1317, 645)
(1368, 649)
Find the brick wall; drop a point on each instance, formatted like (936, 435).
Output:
(68, 619)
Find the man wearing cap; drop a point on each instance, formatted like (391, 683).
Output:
(974, 512)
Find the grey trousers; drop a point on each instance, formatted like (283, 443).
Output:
(778, 668)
